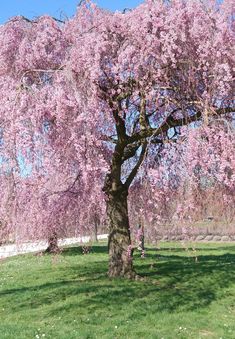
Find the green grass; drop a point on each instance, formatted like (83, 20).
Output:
(70, 296)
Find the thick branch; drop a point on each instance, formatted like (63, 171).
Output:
(130, 151)
(143, 119)
(120, 126)
(171, 122)
(137, 166)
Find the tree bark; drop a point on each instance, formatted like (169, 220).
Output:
(120, 251)
(53, 244)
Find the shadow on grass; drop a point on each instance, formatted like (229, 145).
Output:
(198, 248)
(76, 250)
(176, 283)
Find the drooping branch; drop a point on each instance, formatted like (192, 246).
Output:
(70, 189)
(34, 21)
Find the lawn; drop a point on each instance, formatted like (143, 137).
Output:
(187, 294)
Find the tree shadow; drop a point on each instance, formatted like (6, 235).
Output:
(174, 283)
(200, 247)
(77, 250)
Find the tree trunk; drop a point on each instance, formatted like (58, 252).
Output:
(53, 244)
(120, 251)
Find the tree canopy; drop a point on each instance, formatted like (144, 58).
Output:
(96, 108)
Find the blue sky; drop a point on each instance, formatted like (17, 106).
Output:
(56, 8)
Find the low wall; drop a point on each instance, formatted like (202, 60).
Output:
(198, 238)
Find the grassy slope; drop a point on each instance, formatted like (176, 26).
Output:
(70, 296)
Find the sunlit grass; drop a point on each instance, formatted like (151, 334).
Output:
(187, 294)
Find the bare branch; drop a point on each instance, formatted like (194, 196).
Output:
(58, 20)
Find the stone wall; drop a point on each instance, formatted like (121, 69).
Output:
(198, 238)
